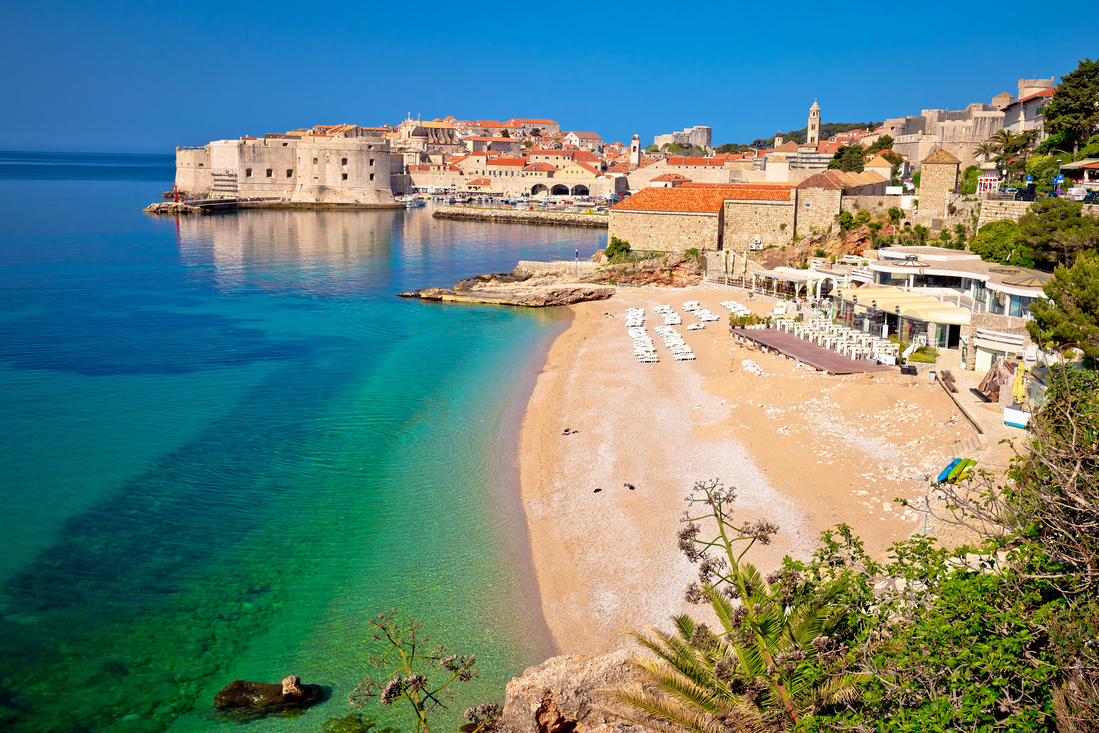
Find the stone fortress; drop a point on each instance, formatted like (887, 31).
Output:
(344, 164)
(698, 136)
(960, 131)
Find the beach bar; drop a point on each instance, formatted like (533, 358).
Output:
(911, 316)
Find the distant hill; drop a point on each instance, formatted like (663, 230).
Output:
(827, 130)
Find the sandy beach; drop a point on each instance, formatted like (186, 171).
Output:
(804, 449)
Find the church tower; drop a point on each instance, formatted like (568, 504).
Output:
(635, 151)
(778, 139)
(813, 136)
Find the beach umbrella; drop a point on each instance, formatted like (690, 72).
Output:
(1028, 280)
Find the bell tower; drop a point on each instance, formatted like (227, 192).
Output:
(635, 151)
(813, 133)
(778, 139)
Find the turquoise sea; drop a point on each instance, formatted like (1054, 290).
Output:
(225, 444)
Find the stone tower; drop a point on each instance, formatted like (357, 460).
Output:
(778, 138)
(813, 136)
(938, 178)
(635, 151)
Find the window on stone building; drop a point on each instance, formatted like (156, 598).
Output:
(285, 144)
(345, 176)
(314, 161)
(371, 161)
(372, 176)
(808, 205)
(247, 172)
(270, 172)
(343, 161)
(289, 172)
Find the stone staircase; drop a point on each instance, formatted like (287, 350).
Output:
(224, 185)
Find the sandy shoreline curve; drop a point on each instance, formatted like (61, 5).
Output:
(804, 449)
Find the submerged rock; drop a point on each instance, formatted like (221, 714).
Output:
(254, 699)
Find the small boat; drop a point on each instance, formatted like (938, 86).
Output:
(415, 204)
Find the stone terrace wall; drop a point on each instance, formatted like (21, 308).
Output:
(771, 221)
(665, 232)
(937, 180)
(997, 210)
(557, 218)
(876, 205)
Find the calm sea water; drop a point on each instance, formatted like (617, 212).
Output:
(225, 444)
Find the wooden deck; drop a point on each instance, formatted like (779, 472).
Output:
(812, 354)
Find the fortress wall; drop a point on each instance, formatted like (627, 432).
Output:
(193, 169)
(876, 205)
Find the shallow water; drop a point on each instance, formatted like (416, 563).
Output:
(225, 444)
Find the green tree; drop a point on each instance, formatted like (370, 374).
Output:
(895, 214)
(505, 133)
(536, 132)
(1091, 149)
(1070, 318)
(618, 250)
(998, 241)
(969, 179)
(1043, 168)
(1074, 109)
(984, 151)
(885, 142)
(849, 158)
(1057, 230)
(916, 179)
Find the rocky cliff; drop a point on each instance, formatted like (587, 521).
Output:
(565, 695)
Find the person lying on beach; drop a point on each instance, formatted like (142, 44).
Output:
(629, 486)
(567, 431)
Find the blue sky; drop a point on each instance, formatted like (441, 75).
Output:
(144, 77)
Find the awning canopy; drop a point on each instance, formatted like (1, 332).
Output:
(908, 304)
(1085, 163)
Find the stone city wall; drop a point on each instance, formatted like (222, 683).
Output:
(772, 222)
(665, 232)
(997, 210)
(557, 218)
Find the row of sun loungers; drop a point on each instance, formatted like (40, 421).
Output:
(702, 314)
(848, 341)
(643, 347)
(675, 343)
(671, 318)
(736, 308)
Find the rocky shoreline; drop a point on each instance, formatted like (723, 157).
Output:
(562, 283)
(552, 218)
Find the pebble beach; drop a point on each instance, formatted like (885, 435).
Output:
(804, 449)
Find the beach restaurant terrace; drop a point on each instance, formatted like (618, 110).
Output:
(912, 317)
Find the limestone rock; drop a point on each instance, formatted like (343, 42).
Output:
(255, 699)
(172, 207)
(564, 695)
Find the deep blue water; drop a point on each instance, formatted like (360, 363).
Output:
(225, 444)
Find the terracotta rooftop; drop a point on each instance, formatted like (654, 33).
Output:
(694, 161)
(690, 198)
(821, 180)
(480, 182)
(671, 177)
(787, 147)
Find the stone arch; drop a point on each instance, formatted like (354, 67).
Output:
(559, 190)
(538, 189)
(580, 190)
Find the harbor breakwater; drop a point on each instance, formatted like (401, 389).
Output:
(553, 218)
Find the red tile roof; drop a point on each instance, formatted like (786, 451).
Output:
(480, 182)
(691, 198)
(821, 180)
(528, 121)
(539, 167)
(508, 161)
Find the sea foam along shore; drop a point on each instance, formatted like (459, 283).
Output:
(804, 449)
